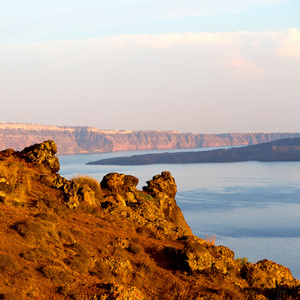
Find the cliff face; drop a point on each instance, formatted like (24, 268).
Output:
(88, 139)
(78, 239)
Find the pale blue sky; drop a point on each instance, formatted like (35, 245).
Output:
(194, 66)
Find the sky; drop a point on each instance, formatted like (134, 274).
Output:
(192, 66)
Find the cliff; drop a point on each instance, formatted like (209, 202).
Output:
(88, 139)
(81, 239)
(280, 150)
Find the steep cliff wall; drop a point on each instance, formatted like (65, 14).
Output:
(89, 139)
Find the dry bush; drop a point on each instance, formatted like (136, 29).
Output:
(135, 248)
(37, 232)
(92, 183)
(146, 264)
(56, 274)
(69, 293)
(210, 240)
(80, 260)
(38, 254)
(15, 182)
(8, 264)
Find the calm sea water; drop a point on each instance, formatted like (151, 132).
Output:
(252, 207)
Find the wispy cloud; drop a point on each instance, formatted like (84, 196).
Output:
(244, 67)
(210, 79)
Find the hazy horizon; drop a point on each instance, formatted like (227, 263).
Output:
(197, 66)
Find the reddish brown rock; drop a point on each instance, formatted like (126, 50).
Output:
(268, 275)
(43, 154)
(118, 183)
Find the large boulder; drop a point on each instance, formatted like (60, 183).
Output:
(43, 154)
(196, 255)
(163, 188)
(119, 183)
(164, 183)
(266, 274)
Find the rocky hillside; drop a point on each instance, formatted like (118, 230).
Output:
(88, 139)
(81, 239)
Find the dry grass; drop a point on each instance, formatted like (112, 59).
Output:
(15, 182)
(210, 240)
(92, 183)
(8, 264)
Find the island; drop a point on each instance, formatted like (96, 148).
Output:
(281, 150)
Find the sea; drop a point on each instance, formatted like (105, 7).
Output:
(251, 207)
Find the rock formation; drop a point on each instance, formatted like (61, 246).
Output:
(81, 239)
(89, 139)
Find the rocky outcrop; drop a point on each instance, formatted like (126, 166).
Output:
(155, 209)
(266, 274)
(89, 139)
(81, 239)
(43, 154)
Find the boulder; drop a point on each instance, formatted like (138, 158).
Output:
(164, 183)
(196, 256)
(163, 188)
(119, 183)
(266, 274)
(43, 154)
(75, 193)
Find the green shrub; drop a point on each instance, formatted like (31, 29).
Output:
(241, 261)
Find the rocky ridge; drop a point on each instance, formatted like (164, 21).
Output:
(81, 239)
(88, 139)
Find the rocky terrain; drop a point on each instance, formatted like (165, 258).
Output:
(281, 150)
(88, 139)
(81, 239)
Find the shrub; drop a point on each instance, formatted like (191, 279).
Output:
(92, 183)
(37, 254)
(55, 273)
(210, 240)
(135, 248)
(7, 264)
(241, 261)
(15, 182)
(37, 232)
(69, 293)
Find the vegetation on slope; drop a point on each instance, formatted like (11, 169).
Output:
(78, 239)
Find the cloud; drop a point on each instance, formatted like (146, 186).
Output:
(170, 40)
(290, 46)
(189, 81)
(244, 67)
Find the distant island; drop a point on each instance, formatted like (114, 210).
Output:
(280, 150)
(79, 139)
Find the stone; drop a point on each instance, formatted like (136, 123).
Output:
(163, 188)
(268, 275)
(43, 154)
(162, 183)
(119, 183)
(196, 255)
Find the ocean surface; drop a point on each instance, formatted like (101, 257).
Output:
(251, 207)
